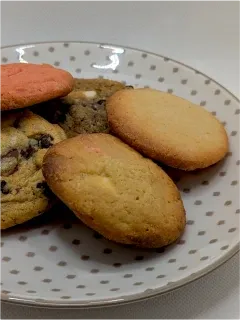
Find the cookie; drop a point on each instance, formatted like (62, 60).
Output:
(167, 128)
(25, 138)
(83, 110)
(26, 84)
(115, 191)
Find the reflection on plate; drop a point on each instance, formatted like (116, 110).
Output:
(55, 261)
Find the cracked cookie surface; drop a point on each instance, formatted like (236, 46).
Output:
(25, 138)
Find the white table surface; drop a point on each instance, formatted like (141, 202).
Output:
(201, 34)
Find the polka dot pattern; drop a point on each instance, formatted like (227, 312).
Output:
(65, 261)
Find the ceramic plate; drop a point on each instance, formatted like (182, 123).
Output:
(57, 261)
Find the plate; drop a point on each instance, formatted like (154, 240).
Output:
(57, 261)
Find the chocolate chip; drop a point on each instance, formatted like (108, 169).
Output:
(11, 154)
(9, 162)
(45, 141)
(101, 102)
(4, 187)
(45, 188)
(27, 153)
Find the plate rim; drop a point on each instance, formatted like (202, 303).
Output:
(126, 299)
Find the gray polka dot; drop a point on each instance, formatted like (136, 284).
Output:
(14, 271)
(220, 222)
(213, 113)
(85, 257)
(170, 90)
(216, 193)
(30, 254)
(186, 190)
(193, 92)
(171, 260)
(128, 275)
(78, 70)
(207, 81)
(217, 92)
(4, 59)
(237, 111)
(37, 268)
(107, 251)
(50, 49)
(213, 241)
(2, 244)
(203, 103)
(209, 213)
(35, 53)
(234, 183)
(90, 294)
(237, 211)
(138, 258)
(222, 174)
(47, 280)
(45, 232)
(205, 183)
(72, 58)
(31, 291)
(201, 233)
(224, 247)
(227, 102)
(115, 71)
(94, 271)
(161, 276)
(190, 222)
(232, 230)
(22, 238)
(150, 269)
(104, 281)
(238, 162)
(62, 263)
(53, 248)
(224, 123)
(71, 276)
(117, 265)
(144, 55)
(80, 286)
(233, 133)
(65, 297)
(87, 52)
(56, 290)
(153, 67)
(56, 63)
(66, 45)
(130, 63)
(6, 259)
(161, 79)
(175, 70)
(138, 76)
(228, 203)
(184, 81)
(138, 283)
(181, 241)
(182, 268)
(76, 242)
(204, 258)
(115, 289)
(192, 251)
(198, 202)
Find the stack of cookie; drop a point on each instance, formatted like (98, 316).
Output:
(105, 169)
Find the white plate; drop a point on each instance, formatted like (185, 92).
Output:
(63, 263)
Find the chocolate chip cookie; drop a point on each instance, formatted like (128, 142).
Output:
(25, 138)
(83, 110)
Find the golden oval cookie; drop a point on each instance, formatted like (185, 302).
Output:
(26, 84)
(167, 128)
(25, 138)
(115, 191)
